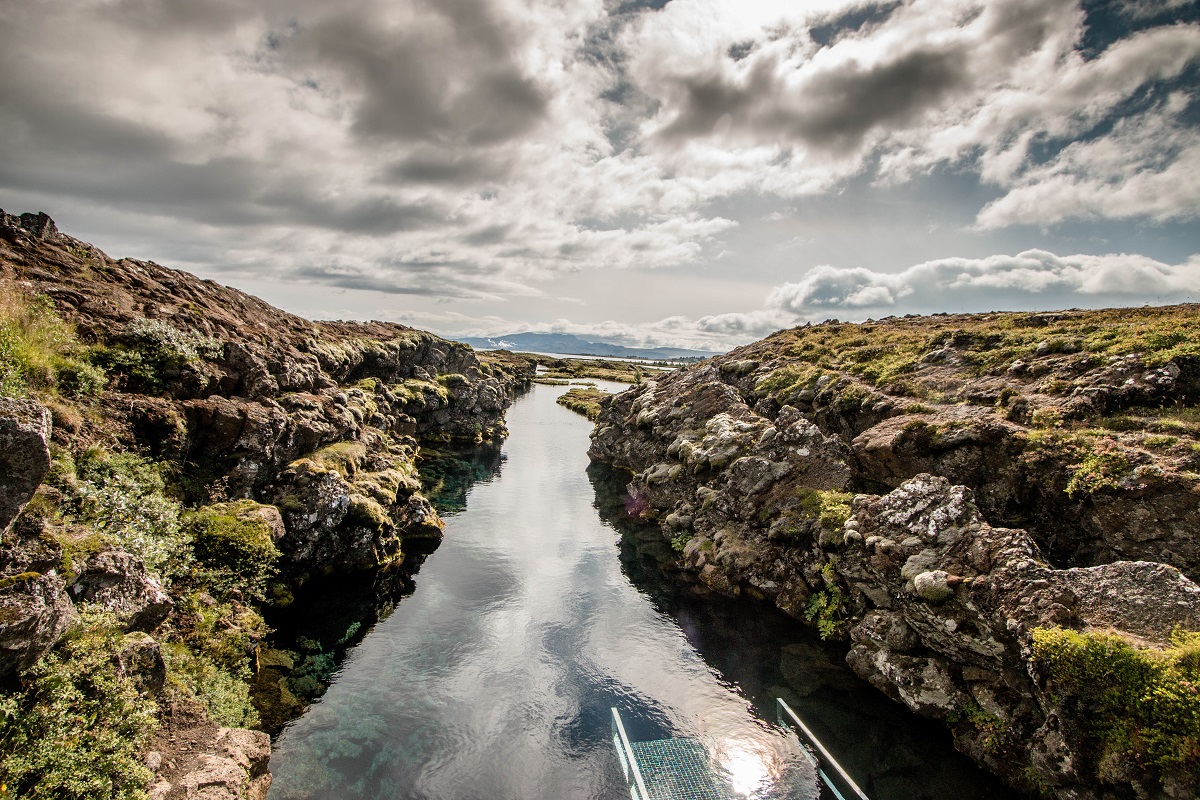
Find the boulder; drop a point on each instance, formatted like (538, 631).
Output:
(34, 613)
(140, 659)
(24, 454)
(117, 581)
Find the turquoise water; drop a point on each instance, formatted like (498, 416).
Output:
(538, 613)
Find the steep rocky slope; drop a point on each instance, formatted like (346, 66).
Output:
(174, 457)
(999, 513)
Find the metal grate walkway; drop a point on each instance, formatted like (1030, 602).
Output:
(677, 769)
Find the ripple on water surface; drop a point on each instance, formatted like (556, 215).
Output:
(531, 621)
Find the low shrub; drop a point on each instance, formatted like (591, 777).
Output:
(76, 729)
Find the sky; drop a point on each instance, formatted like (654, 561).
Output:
(692, 173)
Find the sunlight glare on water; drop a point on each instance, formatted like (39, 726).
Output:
(497, 677)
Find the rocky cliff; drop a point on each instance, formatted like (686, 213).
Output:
(175, 456)
(998, 513)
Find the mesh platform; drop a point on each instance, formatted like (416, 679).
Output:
(677, 769)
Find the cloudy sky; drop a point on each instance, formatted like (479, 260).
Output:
(688, 172)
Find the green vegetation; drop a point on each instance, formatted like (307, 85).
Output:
(419, 392)
(76, 729)
(831, 508)
(343, 457)
(234, 548)
(568, 369)
(994, 729)
(1103, 468)
(1143, 704)
(39, 352)
(825, 608)
(887, 355)
(208, 658)
(583, 400)
(217, 560)
(150, 352)
(121, 497)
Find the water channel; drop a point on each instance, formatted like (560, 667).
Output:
(543, 609)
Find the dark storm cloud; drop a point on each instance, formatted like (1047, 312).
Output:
(445, 168)
(30, 118)
(492, 234)
(448, 81)
(834, 110)
(428, 277)
(368, 216)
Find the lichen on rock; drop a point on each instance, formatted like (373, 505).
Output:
(936, 490)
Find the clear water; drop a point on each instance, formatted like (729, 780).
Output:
(537, 614)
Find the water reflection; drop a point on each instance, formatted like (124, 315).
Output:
(534, 618)
(892, 754)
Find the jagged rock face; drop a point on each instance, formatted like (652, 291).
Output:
(238, 393)
(750, 476)
(117, 582)
(34, 613)
(24, 454)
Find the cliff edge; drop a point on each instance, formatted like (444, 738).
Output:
(999, 513)
(175, 457)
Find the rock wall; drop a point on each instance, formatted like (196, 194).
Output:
(305, 433)
(876, 517)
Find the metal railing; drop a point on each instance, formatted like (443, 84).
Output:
(829, 770)
(629, 765)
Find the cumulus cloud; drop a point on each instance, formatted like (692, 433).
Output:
(482, 149)
(1032, 279)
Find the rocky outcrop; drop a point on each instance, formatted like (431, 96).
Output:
(24, 454)
(117, 582)
(936, 519)
(254, 403)
(34, 613)
(234, 767)
(290, 447)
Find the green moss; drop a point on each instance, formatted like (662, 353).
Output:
(368, 512)
(75, 728)
(235, 551)
(583, 400)
(1144, 704)
(1101, 469)
(78, 548)
(831, 508)
(13, 580)
(344, 457)
(419, 391)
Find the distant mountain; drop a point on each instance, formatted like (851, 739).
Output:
(569, 345)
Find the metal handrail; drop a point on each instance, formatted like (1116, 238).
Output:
(624, 749)
(825, 759)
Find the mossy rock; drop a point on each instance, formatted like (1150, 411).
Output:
(235, 543)
(368, 512)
